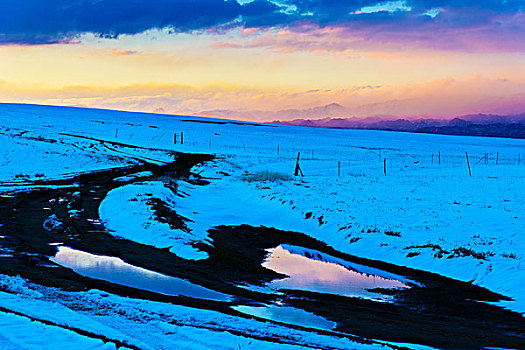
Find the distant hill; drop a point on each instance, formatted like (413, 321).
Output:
(332, 110)
(512, 126)
(337, 116)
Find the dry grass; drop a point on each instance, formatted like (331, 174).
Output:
(266, 175)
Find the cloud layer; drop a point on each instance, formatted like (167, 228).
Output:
(470, 25)
(47, 22)
(440, 98)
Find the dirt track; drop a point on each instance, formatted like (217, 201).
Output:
(443, 313)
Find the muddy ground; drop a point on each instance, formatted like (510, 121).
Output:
(435, 311)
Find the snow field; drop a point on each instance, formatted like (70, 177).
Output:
(432, 209)
(421, 214)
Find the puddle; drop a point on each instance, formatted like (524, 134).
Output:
(311, 270)
(288, 315)
(115, 270)
(135, 176)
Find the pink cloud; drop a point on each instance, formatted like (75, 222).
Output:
(226, 45)
(430, 34)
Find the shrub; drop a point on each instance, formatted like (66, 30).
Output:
(266, 175)
(393, 233)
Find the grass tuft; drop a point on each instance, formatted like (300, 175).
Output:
(266, 175)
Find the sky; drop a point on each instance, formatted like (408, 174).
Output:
(407, 58)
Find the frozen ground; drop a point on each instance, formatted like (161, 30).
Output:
(421, 214)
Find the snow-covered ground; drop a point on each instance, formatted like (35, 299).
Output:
(420, 214)
(61, 318)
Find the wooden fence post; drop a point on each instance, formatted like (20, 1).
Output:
(175, 138)
(497, 157)
(297, 167)
(339, 168)
(439, 157)
(181, 138)
(468, 164)
(384, 166)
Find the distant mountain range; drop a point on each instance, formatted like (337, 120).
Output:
(336, 116)
(512, 126)
(332, 110)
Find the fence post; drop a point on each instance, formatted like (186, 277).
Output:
(384, 166)
(297, 167)
(439, 157)
(116, 133)
(497, 157)
(432, 158)
(181, 138)
(339, 168)
(468, 164)
(175, 138)
(278, 149)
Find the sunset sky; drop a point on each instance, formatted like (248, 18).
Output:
(403, 58)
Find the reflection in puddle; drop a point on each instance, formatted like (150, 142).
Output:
(287, 314)
(115, 270)
(312, 271)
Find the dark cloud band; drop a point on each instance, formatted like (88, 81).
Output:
(45, 22)
(41, 22)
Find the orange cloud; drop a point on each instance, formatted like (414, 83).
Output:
(124, 52)
(438, 98)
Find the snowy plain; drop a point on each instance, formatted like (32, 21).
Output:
(426, 212)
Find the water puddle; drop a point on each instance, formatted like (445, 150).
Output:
(115, 270)
(311, 270)
(135, 176)
(288, 315)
